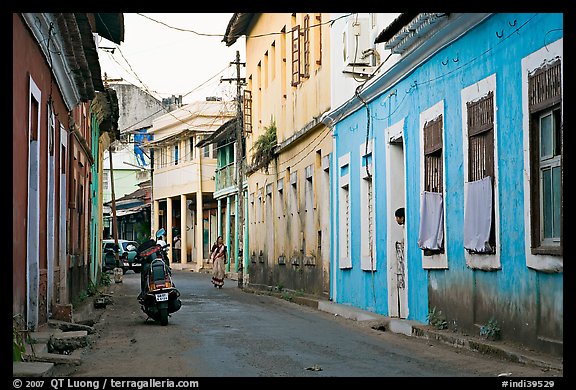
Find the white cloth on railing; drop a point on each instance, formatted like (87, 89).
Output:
(431, 232)
(478, 215)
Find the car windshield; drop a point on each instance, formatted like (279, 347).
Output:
(126, 244)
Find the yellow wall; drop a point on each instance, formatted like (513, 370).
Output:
(295, 109)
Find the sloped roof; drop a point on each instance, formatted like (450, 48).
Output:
(226, 132)
(237, 27)
(401, 21)
(110, 26)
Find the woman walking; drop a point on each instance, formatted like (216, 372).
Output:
(218, 255)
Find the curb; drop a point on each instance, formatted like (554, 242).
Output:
(419, 330)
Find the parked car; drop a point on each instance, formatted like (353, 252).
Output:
(126, 254)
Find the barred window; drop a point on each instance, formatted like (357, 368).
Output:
(433, 166)
(295, 55)
(481, 149)
(248, 111)
(546, 159)
(306, 34)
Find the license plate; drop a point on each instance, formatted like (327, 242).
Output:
(161, 297)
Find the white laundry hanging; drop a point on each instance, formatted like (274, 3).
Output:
(431, 233)
(478, 215)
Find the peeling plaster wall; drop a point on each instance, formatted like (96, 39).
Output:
(527, 304)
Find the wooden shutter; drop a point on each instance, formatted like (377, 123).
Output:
(306, 72)
(248, 111)
(433, 166)
(481, 137)
(544, 87)
(295, 55)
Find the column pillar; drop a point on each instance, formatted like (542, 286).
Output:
(199, 233)
(220, 216)
(228, 232)
(169, 225)
(236, 232)
(155, 226)
(183, 215)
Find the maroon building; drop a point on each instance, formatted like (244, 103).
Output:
(55, 76)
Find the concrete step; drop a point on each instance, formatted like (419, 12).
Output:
(65, 326)
(75, 358)
(32, 369)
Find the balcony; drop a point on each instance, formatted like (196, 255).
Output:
(225, 177)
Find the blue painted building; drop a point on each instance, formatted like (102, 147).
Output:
(465, 133)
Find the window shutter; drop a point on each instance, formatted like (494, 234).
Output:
(295, 55)
(544, 87)
(306, 72)
(433, 167)
(248, 111)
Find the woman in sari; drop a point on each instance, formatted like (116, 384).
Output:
(218, 256)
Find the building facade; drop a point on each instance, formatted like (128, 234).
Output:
(464, 132)
(183, 176)
(52, 151)
(288, 148)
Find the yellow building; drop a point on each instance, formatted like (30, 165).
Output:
(183, 178)
(287, 91)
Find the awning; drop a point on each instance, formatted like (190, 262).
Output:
(133, 210)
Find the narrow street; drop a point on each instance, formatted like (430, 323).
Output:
(232, 333)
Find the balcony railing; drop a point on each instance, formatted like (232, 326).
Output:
(225, 177)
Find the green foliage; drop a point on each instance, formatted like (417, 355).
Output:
(19, 335)
(92, 289)
(105, 279)
(79, 299)
(17, 345)
(287, 296)
(436, 319)
(491, 330)
(264, 148)
(142, 231)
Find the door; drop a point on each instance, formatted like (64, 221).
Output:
(396, 246)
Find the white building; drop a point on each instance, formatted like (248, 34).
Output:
(183, 177)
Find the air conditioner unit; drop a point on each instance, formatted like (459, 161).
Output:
(356, 39)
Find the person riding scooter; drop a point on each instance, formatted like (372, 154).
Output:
(147, 254)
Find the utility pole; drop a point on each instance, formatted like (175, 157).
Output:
(114, 221)
(239, 167)
(107, 80)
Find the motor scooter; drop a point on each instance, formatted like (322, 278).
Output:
(160, 297)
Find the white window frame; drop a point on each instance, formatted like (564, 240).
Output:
(486, 262)
(344, 225)
(551, 52)
(365, 258)
(440, 260)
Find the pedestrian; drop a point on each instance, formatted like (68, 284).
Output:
(400, 273)
(219, 257)
(177, 247)
(399, 214)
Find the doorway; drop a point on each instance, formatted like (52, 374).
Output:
(396, 245)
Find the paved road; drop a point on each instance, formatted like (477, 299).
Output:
(231, 333)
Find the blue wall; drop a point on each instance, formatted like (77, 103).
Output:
(476, 55)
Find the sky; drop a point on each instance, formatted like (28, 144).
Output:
(167, 61)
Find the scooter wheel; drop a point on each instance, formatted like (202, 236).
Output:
(163, 317)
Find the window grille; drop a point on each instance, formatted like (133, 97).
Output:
(433, 166)
(306, 33)
(481, 137)
(481, 147)
(295, 55)
(248, 111)
(546, 153)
